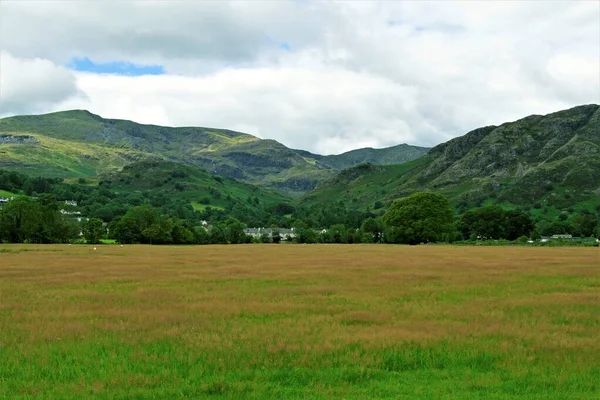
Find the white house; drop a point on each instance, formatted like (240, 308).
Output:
(564, 236)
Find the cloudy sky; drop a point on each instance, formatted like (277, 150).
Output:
(321, 76)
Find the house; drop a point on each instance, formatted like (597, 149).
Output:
(285, 233)
(562, 236)
(65, 212)
(71, 203)
(258, 232)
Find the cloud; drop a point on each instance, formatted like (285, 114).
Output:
(304, 108)
(201, 33)
(32, 85)
(322, 76)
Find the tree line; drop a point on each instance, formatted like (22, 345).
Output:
(154, 218)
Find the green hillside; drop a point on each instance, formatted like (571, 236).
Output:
(173, 189)
(193, 185)
(543, 163)
(77, 143)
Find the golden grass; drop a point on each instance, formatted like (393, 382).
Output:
(299, 306)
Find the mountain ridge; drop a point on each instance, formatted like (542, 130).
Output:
(225, 152)
(551, 161)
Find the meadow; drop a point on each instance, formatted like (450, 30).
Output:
(299, 321)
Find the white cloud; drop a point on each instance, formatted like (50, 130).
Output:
(318, 109)
(33, 84)
(358, 73)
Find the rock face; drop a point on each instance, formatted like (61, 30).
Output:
(6, 138)
(555, 158)
(564, 141)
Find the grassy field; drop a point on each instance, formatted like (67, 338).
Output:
(299, 321)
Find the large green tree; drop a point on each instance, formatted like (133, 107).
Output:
(419, 218)
(373, 229)
(20, 220)
(93, 230)
(493, 222)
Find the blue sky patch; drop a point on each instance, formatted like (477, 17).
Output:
(114, 67)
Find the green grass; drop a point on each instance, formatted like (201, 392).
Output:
(51, 157)
(4, 193)
(317, 322)
(201, 207)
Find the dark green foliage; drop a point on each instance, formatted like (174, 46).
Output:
(20, 220)
(276, 237)
(420, 217)
(93, 230)
(26, 220)
(374, 230)
(585, 224)
(493, 222)
(235, 233)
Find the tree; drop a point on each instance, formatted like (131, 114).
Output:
(92, 230)
(201, 236)
(585, 224)
(217, 235)
(420, 217)
(276, 236)
(20, 220)
(235, 233)
(518, 224)
(305, 235)
(182, 233)
(159, 232)
(339, 233)
(486, 222)
(126, 231)
(372, 227)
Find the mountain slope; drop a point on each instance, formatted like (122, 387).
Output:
(552, 159)
(193, 185)
(78, 143)
(386, 156)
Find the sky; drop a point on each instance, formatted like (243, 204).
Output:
(321, 76)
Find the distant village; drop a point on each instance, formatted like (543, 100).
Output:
(273, 234)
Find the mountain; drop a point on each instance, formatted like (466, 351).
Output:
(78, 143)
(386, 156)
(549, 162)
(192, 185)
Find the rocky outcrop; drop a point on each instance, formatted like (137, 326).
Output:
(6, 138)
